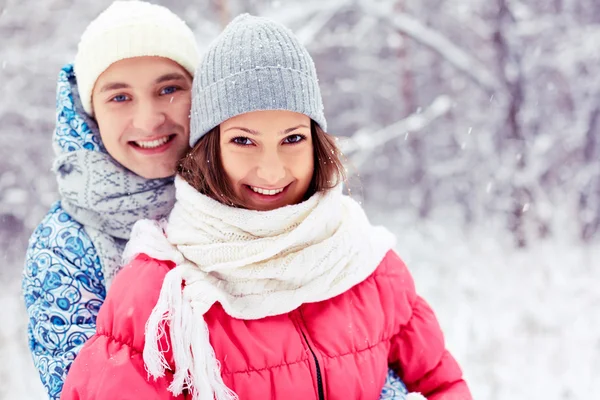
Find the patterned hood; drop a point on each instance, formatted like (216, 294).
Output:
(75, 130)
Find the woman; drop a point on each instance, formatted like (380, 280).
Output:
(266, 282)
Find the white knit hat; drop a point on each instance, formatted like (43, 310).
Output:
(128, 29)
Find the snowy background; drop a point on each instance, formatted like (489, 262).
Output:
(473, 131)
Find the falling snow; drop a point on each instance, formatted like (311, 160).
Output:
(475, 131)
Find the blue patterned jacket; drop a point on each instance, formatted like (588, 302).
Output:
(62, 283)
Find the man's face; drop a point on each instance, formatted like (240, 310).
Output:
(142, 108)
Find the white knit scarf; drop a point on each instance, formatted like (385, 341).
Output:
(255, 264)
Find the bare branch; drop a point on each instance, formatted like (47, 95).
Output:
(308, 18)
(362, 144)
(439, 43)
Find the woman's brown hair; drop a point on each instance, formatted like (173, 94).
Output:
(202, 168)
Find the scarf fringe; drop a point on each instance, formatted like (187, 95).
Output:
(197, 368)
(205, 376)
(161, 315)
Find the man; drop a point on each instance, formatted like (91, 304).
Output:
(122, 124)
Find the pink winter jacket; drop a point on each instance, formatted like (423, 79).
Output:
(336, 349)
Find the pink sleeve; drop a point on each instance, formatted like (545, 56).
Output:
(418, 352)
(107, 369)
(110, 365)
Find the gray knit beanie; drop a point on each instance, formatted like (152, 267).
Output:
(255, 64)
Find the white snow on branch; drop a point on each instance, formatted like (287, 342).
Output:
(437, 42)
(307, 18)
(363, 143)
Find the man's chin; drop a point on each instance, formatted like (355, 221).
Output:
(154, 173)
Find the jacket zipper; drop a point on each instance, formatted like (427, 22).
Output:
(319, 377)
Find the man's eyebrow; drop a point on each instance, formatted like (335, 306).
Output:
(174, 76)
(114, 86)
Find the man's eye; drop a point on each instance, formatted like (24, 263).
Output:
(169, 90)
(120, 98)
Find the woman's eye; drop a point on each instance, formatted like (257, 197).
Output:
(169, 90)
(292, 139)
(120, 98)
(242, 141)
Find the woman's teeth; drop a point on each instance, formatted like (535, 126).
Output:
(152, 144)
(266, 192)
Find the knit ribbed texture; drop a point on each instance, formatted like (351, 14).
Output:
(255, 64)
(128, 29)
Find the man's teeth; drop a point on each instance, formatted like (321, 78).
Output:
(266, 192)
(151, 144)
